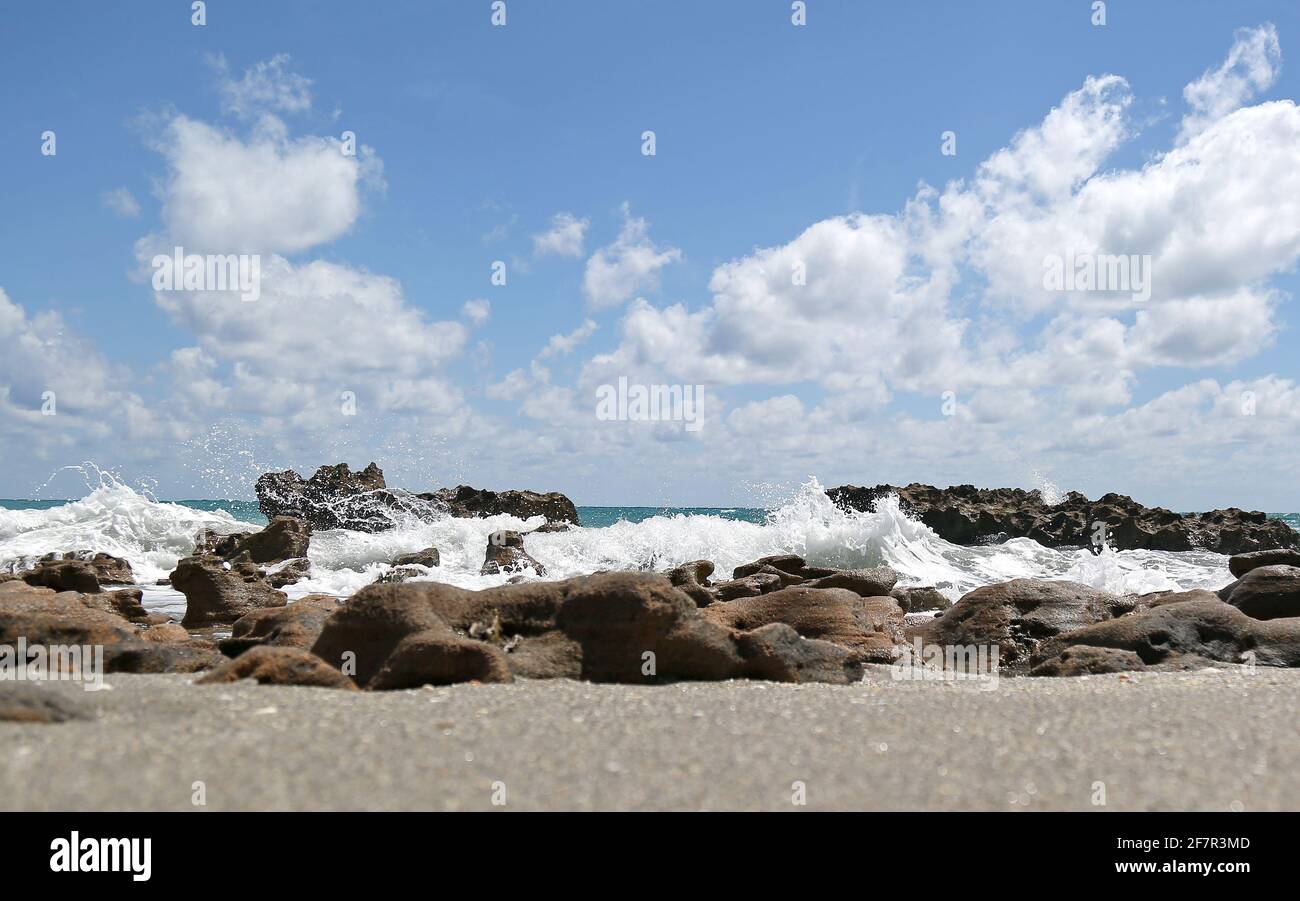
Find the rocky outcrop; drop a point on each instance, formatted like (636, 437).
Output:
(609, 627)
(109, 570)
(1244, 563)
(279, 666)
(465, 501)
(965, 514)
(296, 625)
(219, 592)
(1019, 615)
(337, 498)
(283, 538)
(505, 554)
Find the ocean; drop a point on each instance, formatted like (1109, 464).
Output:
(154, 534)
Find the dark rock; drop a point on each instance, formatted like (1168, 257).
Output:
(440, 657)
(553, 527)
(1018, 615)
(284, 538)
(692, 579)
(64, 575)
(749, 586)
(787, 563)
(1160, 598)
(1268, 592)
(965, 514)
(29, 702)
(142, 656)
(279, 666)
(218, 544)
(464, 501)
(506, 554)
(337, 498)
(428, 557)
(1241, 564)
(291, 572)
(108, 569)
(778, 653)
(920, 599)
(218, 592)
(296, 625)
(1085, 660)
(1205, 628)
(869, 583)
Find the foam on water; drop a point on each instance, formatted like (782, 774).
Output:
(154, 535)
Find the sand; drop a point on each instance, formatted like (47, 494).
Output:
(1208, 740)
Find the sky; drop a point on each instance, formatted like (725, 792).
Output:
(839, 245)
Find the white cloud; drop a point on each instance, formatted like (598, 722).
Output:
(268, 194)
(564, 344)
(631, 264)
(265, 87)
(122, 202)
(564, 238)
(1252, 65)
(477, 310)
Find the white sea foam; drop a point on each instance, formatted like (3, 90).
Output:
(153, 535)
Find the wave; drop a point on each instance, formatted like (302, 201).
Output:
(153, 535)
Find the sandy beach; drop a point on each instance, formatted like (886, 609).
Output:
(1209, 740)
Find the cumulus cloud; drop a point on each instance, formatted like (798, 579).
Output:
(268, 193)
(564, 238)
(565, 344)
(1252, 65)
(630, 264)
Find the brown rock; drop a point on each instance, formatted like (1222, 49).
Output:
(166, 633)
(1018, 615)
(1268, 592)
(778, 653)
(296, 625)
(28, 702)
(283, 538)
(869, 583)
(920, 599)
(506, 554)
(216, 592)
(692, 579)
(440, 657)
(1241, 564)
(1085, 660)
(279, 666)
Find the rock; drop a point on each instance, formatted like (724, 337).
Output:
(283, 538)
(1160, 598)
(216, 592)
(46, 617)
(64, 575)
(749, 586)
(552, 526)
(218, 544)
(30, 702)
(692, 579)
(868, 583)
(1241, 564)
(1018, 615)
(871, 626)
(1268, 592)
(296, 625)
(108, 569)
(190, 656)
(439, 657)
(506, 554)
(464, 501)
(279, 666)
(609, 627)
(337, 498)
(290, 572)
(965, 514)
(428, 557)
(919, 599)
(166, 633)
(1085, 660)
(778, 653)
(787, 563)
(1206, 628)
(127, 603)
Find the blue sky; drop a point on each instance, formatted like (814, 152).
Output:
(479, 136)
